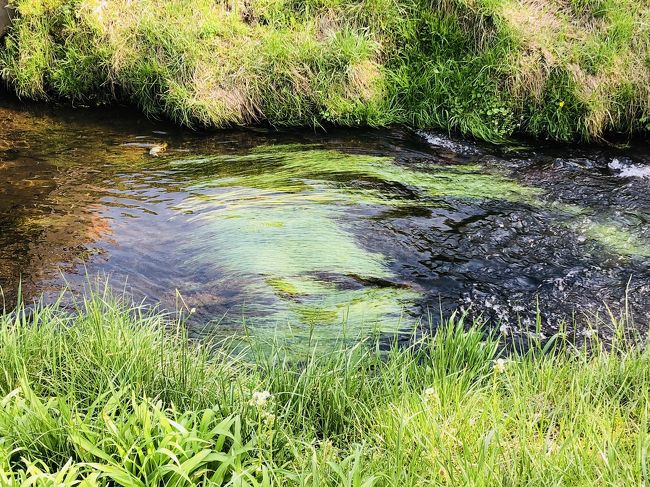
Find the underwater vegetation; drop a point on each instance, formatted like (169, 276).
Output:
(559, 69)
(283, 224)
(287, 230)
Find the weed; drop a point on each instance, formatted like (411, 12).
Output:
(564, 69)
(114, 394)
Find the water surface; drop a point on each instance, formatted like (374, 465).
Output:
(326, 231)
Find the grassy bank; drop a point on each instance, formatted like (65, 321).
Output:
(103, 396)
(562, 69)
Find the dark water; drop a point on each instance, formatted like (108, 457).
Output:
(320, 231)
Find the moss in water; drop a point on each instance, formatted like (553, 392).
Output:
(297, 169)
(312, 237)
(369, 309)
(617, 239)
(283, 286)
(280, 216)
(315, 315)
(288, 213)
(606, 231)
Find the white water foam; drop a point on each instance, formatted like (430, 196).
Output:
(629, 170)
(438, 140)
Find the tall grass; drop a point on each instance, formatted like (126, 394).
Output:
(113, 394)
(561, 69)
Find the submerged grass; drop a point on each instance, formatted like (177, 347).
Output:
(112, 394)
(563, 69)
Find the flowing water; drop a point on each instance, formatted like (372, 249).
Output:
(320, 231)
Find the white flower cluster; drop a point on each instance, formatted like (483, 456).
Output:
(260, 398)
(500, 365)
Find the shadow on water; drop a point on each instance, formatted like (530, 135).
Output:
(370, 228)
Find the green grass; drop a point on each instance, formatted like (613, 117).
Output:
(559, 69)
(113, 394)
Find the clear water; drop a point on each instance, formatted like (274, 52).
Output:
(323, 232)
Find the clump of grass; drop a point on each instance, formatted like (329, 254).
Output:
(113, 394)
(562, 69)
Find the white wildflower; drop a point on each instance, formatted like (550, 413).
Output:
(429, 392)
(505, 330)
(260, 398)
(500, 365)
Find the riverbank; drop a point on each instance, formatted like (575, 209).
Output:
(105, 396)
(562, 70)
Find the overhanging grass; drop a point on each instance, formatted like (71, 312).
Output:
(562, 69)
(115, 395)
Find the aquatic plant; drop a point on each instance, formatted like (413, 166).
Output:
(617, 239)
(562, 69)
(604, 229)
(115, 394)
(283, 221)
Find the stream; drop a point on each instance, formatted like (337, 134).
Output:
(321, 232)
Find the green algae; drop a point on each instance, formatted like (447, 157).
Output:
(283, 286)
(311, 238)
(376, 309)
(300, 168)
(617, 239)
(604, 230)
(312, 301)
(283, 215)
(315, 315)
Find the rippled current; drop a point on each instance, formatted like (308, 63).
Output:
(323, 231)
